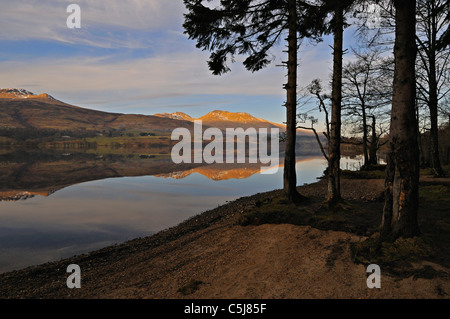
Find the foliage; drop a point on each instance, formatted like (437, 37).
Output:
(355, 217)
(24, 134)
(402, 250)
(247, 27)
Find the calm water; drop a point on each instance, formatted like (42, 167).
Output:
(78, 215)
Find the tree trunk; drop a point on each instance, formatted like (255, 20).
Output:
(334, 191)
(373, 159)
(365, 149)
(430, 53)
(419, 140)
(433, 107)
(289, 175)
(402, 173)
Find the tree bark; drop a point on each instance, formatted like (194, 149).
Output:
(334, 152)
(373, 159)
(365, 148)
(289, 175)
(433, 107)
(419, 140)
(430, 56)
(402, 173)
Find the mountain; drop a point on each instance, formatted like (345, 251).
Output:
(20, 108)
(238, 117)
(175, 116)
(225, 119)
(23, 94)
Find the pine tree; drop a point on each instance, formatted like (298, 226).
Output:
(402, 173)
(336, 26)
(251, 28)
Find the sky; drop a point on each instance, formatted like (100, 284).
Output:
(132, 56)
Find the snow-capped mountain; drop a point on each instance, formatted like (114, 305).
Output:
(22, 94)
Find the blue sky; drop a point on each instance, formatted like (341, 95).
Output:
(131, 56)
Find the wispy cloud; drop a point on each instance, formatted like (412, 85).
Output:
(132, 55)
(102, 21)
(168, 75)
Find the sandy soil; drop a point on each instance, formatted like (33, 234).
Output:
(228, 261)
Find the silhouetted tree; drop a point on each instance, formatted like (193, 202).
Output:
(314, 90)
(252, 28)
(337, 24)
(367, 90)
(433, 66)
(402, 172)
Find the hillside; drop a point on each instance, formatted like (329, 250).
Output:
(225, 119)
(22, 109)
(23, 94)
(29, 118)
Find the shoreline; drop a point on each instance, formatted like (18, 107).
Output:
(226, 260)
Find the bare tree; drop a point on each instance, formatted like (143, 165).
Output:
(367, 90)
(433, 67)
(314, 91)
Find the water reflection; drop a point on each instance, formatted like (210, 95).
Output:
(97, 200)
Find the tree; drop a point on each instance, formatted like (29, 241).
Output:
(433, 38)
(375, 140)
(433, 67)
(315, 89)
(337, 25)
(402, 172)
(367, 89)
(444, 39)
(252, 28)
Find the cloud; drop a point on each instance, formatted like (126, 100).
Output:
(169, 71)
(105, 23)
(164, 75)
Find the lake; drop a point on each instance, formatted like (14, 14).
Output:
(57, 205)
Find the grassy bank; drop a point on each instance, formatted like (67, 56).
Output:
(363, 217)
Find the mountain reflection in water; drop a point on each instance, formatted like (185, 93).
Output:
(99, 200)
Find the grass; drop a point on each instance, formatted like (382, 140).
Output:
(435, 193)
(378, 171)
(147, 146)
(356, 217)
(430, 171)
(371, 172)
(403, 250)
(129, 152)
(364, 218)
(433, 244)
(191, 287)
(105, 140)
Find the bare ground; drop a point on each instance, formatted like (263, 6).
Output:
(211, 256)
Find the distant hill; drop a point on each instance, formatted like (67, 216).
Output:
(175, 116)
(39, 116)
(22, 109)
(225, 119)
(22, 94)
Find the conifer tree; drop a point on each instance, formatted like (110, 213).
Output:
(252, 28)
